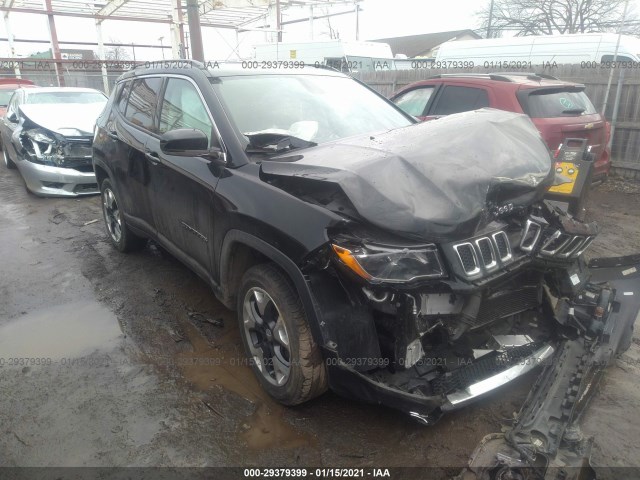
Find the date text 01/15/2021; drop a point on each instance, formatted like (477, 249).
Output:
(317, 472)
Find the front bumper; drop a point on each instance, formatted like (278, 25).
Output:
(45, 180)
(545, 437)
(464, 385)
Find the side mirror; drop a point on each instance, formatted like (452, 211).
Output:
(189, 142)
(12, 117)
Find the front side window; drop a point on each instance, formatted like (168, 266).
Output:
(122, 96)
(142, 102)
(316, 108)
(456, 99)
(182, 107)
(415, 101)
(13, 104)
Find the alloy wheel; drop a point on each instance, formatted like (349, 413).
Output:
(267, 336)
(112, 214)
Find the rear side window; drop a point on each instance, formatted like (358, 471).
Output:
(554, 103)
(456, 99)
(143, 101)
(415, 101)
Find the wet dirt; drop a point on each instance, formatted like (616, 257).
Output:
(154, 372)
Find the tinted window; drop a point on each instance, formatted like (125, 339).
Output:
(619, 58)
(123, 96)
(143, 101)
(558, 104)
(182, 107)
(460, 99)
(415, 101)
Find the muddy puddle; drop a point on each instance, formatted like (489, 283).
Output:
(222, 364)
(59, 333)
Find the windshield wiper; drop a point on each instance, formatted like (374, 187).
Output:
(573, 111)
(275, 142)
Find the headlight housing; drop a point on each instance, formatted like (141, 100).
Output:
(381, 264)
(45, 147)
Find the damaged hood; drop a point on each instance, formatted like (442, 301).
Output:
(436, 179)
(67, 119)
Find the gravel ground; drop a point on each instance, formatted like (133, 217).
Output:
(141, 366)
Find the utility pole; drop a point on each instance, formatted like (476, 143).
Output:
(195, 33)
(278, 21)
(358, 21)
(490, 20)
(615, 59)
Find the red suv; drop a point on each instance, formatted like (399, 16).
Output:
(558, 109)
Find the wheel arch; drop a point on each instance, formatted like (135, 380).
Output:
(240, 251)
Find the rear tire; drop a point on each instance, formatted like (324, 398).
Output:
(277, 338)
(7, 160)
(122, 238)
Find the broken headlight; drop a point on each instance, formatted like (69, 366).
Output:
(45, 148)
(378, 264)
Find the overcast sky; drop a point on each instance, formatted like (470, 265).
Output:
(378, 19)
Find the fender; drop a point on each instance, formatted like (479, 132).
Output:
(340, 326)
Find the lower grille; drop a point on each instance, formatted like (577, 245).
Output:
(86, 188)
(503, 304)
(485, 367)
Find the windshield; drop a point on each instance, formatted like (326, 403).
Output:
(66, 97)
(559, 104)
(5, 96)
(316, 108)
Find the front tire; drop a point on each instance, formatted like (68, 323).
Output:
(7, 160)
(122, 238)
(277, 337)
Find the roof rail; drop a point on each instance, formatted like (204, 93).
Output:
(529, 75)
(160, 64)
(490, 76)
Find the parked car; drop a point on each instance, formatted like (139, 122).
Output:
(47, 134)
(558, 109)
(7, 87)
(407, 264)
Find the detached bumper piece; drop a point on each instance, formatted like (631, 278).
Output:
(545, 441)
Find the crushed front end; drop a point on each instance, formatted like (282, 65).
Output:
(55, 164)
(450, 275)
(456, 320)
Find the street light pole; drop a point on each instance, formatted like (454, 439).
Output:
(161, 46)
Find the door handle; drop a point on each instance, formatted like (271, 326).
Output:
(112, 134)
(151, 156)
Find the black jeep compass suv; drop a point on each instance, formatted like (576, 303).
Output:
(410, 264)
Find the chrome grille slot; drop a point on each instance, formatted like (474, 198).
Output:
(486, 252)
(574, 244)
(468, 259)
(584, 246)
(555, 243)
(530, 236)
(502, 246)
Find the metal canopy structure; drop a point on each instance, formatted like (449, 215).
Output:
(231, 14)
(240, 15)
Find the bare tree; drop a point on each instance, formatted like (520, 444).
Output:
(551, 17)
(116, 52)
(333, 33)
